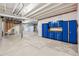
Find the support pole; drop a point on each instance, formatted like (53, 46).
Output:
(21, 30)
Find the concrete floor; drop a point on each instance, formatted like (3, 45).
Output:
(33, 45)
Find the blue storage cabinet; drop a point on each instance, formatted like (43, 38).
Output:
(55, 26)
(63, 35)
(51, 34)
(65, 31)
(45, 30)
(51, 24)
(55, 35)
(73, 31)
(60, 34)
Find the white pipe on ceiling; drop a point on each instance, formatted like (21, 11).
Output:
(15, 17)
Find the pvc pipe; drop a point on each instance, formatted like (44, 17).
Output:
(12, 16)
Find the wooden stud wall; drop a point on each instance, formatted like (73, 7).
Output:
(9, 24)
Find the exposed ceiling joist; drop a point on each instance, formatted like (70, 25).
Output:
(54, 13)
(37, 10)
(20, 9)
(5, 7)
(30, 7)
(14, 17)
(63, 7)
(40, 12)
(15, 7)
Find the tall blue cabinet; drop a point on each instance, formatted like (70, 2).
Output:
(65, 31)
(59, 34)
(72, 31)
(45, 30)
(52, 34)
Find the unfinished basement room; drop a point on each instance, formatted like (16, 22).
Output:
(39, 29)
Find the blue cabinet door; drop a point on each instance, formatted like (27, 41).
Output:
(55, 33)
(65, 31)
(45, 30)
(60, 34)
(51, 24)
(51, 35)
(73, 31)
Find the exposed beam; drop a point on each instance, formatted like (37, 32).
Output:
(14, 17)
(24, 5)
(57, 9)
(15, 7)
(43, 11)
(20, 9)
(33, 9)
(62, 10)
(5, 7)
(58, 14)
(38, 10)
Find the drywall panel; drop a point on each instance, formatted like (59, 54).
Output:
(28, 28)
(68, 16)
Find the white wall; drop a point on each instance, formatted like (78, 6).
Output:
(28, 28)
(68, 16)
(78, 26)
